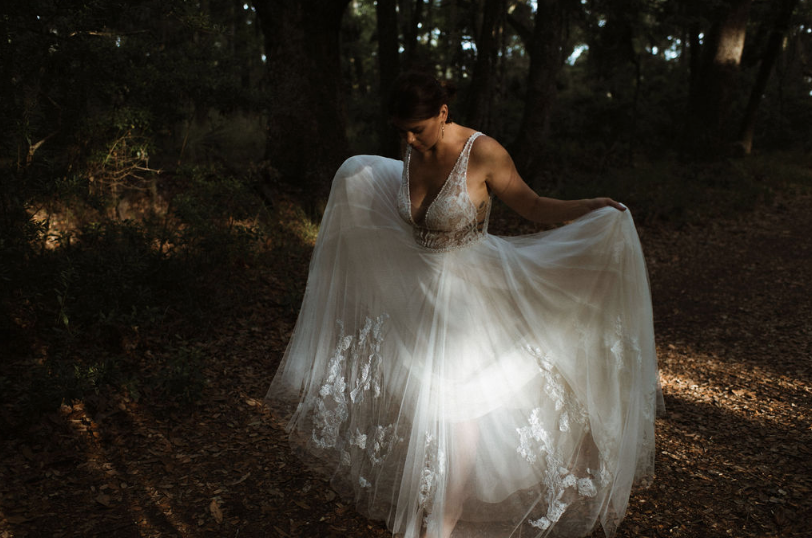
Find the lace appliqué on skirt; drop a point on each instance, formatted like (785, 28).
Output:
(564, 483)
(439, 406)
(352, 386)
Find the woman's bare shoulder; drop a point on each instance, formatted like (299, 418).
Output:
(485, 144)
(487, 151)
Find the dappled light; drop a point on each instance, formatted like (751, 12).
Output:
(164, 168)
(731, 447)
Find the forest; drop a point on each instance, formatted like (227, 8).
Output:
(164, 165)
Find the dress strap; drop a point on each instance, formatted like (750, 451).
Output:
(462, 162)
(466, 151)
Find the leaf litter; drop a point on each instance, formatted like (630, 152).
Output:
(733, 304)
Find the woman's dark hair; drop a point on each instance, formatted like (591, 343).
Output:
(416, 95)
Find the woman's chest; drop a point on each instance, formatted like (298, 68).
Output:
(438, 204)
(426, 183)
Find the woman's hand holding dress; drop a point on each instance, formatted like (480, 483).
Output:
(502, 179)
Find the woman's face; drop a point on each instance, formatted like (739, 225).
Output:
(422, 135)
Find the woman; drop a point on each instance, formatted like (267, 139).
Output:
(451, 381)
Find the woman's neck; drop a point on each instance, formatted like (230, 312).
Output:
(445, 144)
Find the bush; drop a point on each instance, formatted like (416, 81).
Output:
(101, 292)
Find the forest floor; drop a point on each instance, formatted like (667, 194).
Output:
(733, 304)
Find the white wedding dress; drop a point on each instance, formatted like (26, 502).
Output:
(435, 369)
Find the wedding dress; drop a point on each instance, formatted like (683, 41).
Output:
(436, 369)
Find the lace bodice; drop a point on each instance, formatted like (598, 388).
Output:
(452, 220)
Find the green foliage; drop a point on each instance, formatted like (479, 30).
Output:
(95, 96)
(98, 292)
(80, 77)
(779, 171)
(59, 381)
(670, 191)
(219, 222)
(181, 375)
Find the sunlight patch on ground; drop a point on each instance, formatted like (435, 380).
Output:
(161, 495)
(741, 389)
(111, 481)
(293, 220)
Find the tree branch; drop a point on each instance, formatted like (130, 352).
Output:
(34, 147)
(107, 34)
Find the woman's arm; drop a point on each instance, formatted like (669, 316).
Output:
(504, 181)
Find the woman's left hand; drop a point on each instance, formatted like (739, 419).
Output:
(597, 203)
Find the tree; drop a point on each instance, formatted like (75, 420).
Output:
(548, 49)
(388, 66)
(306, 123)
(481, 90)
(779, 31)
(712, 95)
(412, 11)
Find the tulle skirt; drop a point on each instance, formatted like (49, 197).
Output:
(512, 382)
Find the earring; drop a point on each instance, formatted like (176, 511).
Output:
(442, 133)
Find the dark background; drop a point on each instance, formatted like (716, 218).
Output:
(163, 165)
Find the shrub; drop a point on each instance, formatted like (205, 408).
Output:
(109, 287)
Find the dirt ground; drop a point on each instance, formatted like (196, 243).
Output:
(733, 304)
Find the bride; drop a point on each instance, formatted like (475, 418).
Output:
(456, 383)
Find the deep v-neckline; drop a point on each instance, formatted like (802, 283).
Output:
(442, 188)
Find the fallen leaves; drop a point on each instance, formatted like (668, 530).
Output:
(216, 513)
(734, 449)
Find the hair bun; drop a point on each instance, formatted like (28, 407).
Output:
(418, 94)
(449, 88)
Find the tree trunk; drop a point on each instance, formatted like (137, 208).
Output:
(771, 54)
(239, 42)
(306, 124)
(690, 12)
(387, 23)
(412, 15)
(547, 56)
(695, 65)
(480, 93)
(709, 104)
(452, 38)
